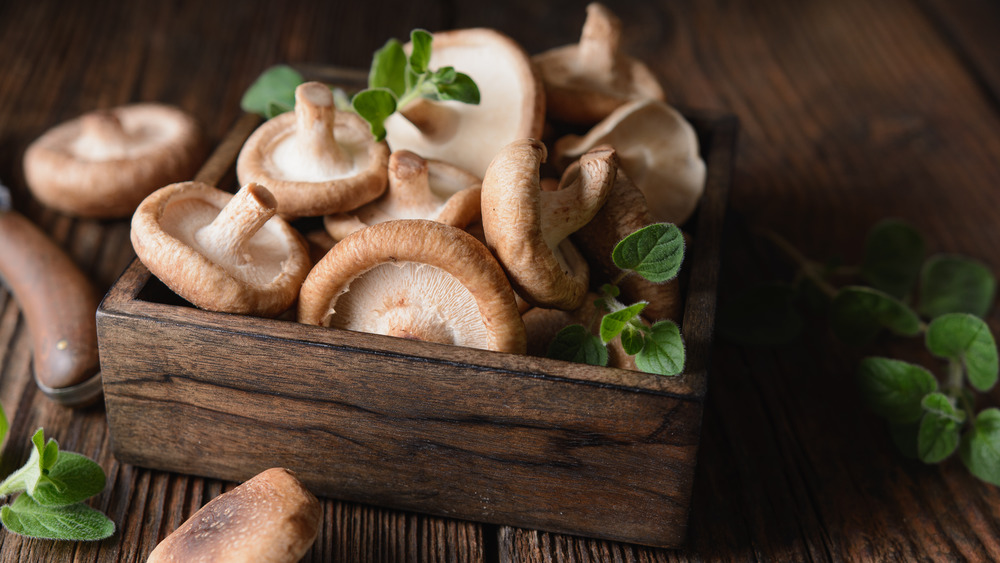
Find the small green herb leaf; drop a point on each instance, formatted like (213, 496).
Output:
(655, 252)
(894, 251)
(939, 435)
(610, 290)
(663, 352)
(79, 476)
(274, 89)
(576, 344)
(859, 313)
(633, 339)
(894, 389)
(375, 106)
(940, 405)
(965, 338)
(388, 68)
(76, 522)
(980, 448)
(461, 89)
(762, 316)
(612, 324)
(955, 284)
(420, 54)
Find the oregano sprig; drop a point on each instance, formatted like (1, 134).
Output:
(941, 299)
(654, 252)
(51, 488)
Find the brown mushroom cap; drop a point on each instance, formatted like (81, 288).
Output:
(418, 189)
(103, 163)
(658, 150)
(527, 228)
(221, 252)
(415, 279)
(512, 103)
(315, 160)
(271, 518)
(587, 81)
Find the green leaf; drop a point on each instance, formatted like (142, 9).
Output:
(576, 344)
(633, 339)
(980, 449)
(663, 352)
(955, 284)
(610, 290)
(461, 89)
(655, 252)
(612, 324)
(761, 316)
(388, 68)
(444, 75)
(966, 338)
(894, 251)
(420, 53)
(939, 434)
(76, 522)
(894, 389)
(276, 108)
(375, 106)
(905, 437)
(858, 314)
(80, 477)
(275, 85)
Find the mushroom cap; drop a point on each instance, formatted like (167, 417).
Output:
(260, 277)
(527, 228)
(418, 189)
(658, 150)
(315, 160)
(587, 81)
(415, 279)
(271, 518)
(512, 101)
(103, 163)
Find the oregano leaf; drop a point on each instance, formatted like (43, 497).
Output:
(663, 352)
(938, 438)
(420, 52)
(633, 339)
(655, 252)
(955, 284)
(274, 89)
(461, 89)
(980, 449)
(612, 324)
(375, 105)
(79, 476)
(894, 252)
(576, 344)
(940, 405)
(388, 68)
(895, 389)
(76, 522)
(966, 338)
(858, 314)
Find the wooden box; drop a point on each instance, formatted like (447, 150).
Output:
(455, 432)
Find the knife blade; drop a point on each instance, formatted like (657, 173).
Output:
(59, 305)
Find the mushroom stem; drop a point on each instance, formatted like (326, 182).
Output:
(102, 137)
(600, 40)
(236, 223)
(584, 188)
(409, 185)
(436, 121)
(314, 117)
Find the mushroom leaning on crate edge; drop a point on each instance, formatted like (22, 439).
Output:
(221, 252)
(418, 189)
(528, 228)
(103, 163)
(415, 279)
(315, 160)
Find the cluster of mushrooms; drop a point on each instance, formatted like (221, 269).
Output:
(451, 230)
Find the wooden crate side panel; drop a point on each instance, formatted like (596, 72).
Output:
(444, 438)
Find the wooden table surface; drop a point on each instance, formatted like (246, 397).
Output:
(851, 111)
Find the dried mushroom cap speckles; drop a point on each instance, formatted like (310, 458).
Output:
(512, 103)
(316, 160)
(415, 279)
(587, 81)
(221, 252)
(271, 518)
(103, 163)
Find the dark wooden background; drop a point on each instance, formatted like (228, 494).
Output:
(851, 111)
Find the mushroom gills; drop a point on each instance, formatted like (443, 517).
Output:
(290, 162)
(410, 300)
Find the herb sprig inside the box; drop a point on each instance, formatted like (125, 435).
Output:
(51, 488)
(394, 81)
(654, 252)
(941, 299)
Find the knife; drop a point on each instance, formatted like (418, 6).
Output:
(59, 305)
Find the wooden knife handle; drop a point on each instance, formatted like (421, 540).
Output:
(58, 301)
